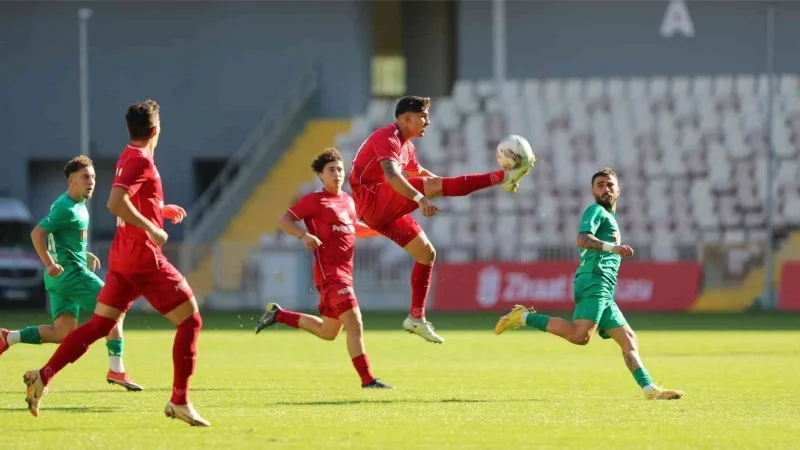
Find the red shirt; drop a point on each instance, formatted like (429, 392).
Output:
(383, 144)
(331, 218)
(132, 251)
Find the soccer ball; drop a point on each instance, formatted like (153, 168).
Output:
(513, 151)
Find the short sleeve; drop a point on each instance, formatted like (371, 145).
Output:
(307, 206)
(386, 148)
(413, 162)
(592, 218)
(58, 217)
(132, 174)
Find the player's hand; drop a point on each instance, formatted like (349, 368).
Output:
(310, 241)
(428, 208)
(158, 236)
(174, 213)
(626, 251)
(55, 270)
(92, 261)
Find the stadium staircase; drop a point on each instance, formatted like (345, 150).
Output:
(742, 297)
(259, 213)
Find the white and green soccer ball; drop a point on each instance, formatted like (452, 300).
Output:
(513, 151)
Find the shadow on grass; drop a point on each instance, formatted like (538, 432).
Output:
(393, 401)
(244, 321)
(69, 409)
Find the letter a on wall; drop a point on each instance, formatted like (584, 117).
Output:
(677, 20)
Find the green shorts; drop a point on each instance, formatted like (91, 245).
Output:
(80, 294)
(594, 300)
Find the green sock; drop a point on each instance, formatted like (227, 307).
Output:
(538, 321)
(115, 347)
(642, 377)
(30, 335)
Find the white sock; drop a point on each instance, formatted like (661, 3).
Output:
(649, 387)
(525, 317)
(116, 365)
(13, 337)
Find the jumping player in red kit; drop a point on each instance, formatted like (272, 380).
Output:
(332, 228)
(385, 198)
(137, 267)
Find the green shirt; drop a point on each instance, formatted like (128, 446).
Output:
(603, 225)
(67, 225)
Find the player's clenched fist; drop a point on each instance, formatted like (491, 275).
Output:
(428, 208)
(158, 236)
(626, 251)
(310, 241)
(55, 270)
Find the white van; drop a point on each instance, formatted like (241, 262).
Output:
(21, 282)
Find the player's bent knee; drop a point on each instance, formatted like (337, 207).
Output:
(433, 186)
(581, 339)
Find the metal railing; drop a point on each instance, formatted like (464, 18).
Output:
(209, 215)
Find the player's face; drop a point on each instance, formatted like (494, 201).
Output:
(417, 122)
(605, 190)
(82, 182)
(332, 176)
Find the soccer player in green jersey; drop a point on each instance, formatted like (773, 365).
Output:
(60, 242)
(601, 252)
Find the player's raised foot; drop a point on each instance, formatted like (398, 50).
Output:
(422, 328)
(269, 318)
(513, 176)
(122, 379)
(185, 413)
(377, 384)
(512, 320)
(35, 391)
(663, 394)
(3, 340)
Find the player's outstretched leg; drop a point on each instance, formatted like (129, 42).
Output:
(184, 356)
(628, 342)
(73, 346)
(115, 344)
(28, 335)
(313, 324)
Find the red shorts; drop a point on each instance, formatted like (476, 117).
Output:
(165, 289)
(336, 299)
(387, 212)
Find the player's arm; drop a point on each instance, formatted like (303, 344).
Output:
(364, 232)
(119, 203)
(398, 182)
(287, 223)
(39, 239)
(590, 223)
(588, 241)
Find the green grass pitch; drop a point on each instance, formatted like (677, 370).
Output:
(525, 389)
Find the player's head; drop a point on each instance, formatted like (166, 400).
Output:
(144, 123)
(80, 176)
(411, 113)
(605, 187)
(329, 167)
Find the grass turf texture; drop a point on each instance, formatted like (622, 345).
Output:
(525, 389)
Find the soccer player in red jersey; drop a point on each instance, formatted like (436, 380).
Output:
(385, 198)
(137, 267)
(330, 218)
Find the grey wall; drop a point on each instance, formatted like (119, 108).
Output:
(215, 67)
(578, 39)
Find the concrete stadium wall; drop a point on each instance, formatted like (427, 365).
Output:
(578, 39)
(215, 67)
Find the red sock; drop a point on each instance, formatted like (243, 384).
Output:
(184, 355)
(361, 363)
(420, 282)
(290, 318)
(467, 184)
(75, 345)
